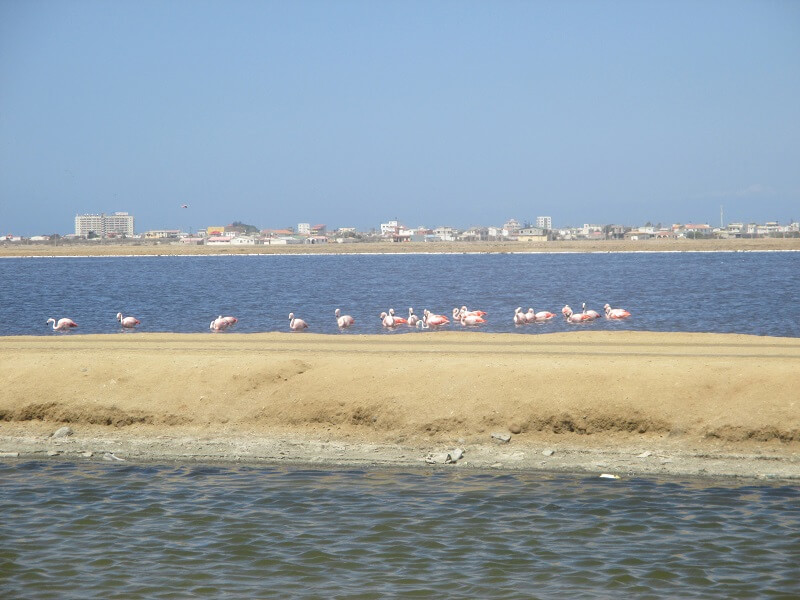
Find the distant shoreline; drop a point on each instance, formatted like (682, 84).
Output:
(9, 250)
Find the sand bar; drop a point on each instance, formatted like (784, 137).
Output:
(106, 248)
(626, 402)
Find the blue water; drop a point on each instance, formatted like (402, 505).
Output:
(95, 530)
(726, 292)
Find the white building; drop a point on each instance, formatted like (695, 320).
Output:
(304, 228)
(446, 234)
(119, 223)
(544, 223)
(390, 227)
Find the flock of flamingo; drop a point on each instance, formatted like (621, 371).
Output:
(467, 318)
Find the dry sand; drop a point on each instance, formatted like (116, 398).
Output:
(107, 248)
(620, 402)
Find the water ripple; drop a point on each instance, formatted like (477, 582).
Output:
(212, 531)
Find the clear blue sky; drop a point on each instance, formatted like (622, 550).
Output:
(351, 113)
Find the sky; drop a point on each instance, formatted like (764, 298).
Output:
(352, 113)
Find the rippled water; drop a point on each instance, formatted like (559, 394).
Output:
(727, 292)
(161, 531)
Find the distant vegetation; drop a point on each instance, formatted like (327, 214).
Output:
(245, 227)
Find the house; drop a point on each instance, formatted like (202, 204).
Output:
(283, 241)
(390, 228)
(446, 234)
(272, 233)
(638, 234)
(218, 240)
(244, 240)
(192, 241)
(475, 234)
(512, 226)
(316, 239)
(532, 234)
(161, 233)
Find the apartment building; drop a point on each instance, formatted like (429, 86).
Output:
(103, 225)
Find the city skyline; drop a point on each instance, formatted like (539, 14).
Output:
(122, 223)
(352, 113)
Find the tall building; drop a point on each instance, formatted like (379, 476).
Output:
(544, 222)
(119, 223)
(304, 228)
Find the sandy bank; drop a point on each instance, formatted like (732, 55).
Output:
(724, 404)
(154, 249)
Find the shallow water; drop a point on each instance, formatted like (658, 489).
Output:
(725, 292)
(164, 531)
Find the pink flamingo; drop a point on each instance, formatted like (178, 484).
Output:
(62, 324)
(231, 321)
(219, 324)
(540, 317)
(397, 320)
(519, 316)
(435, 320)
(343, 321)
(616, 313)
(387, 320)
(471, 319)
(477, 313)
(412, 318)
(592, 313)
(296, 324)
(573, 317)
(127, 322)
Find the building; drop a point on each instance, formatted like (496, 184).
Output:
(161, 233)
(532, 234)
(512, 226)
(304, 228)
(390, 228)
(544, 223)
(103, 225)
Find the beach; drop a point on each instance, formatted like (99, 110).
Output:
(151, 248)
(625, 403)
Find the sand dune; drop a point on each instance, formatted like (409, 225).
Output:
(584, 389)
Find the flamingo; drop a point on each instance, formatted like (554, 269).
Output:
(592, 313)
(343, 321)
(540, 317)
(467, 319)
(62, 324)
(230, 321)
(127, 322)
(435, 320)
(423, 322)
(519, 316)
(219, 324)
(573, 317)
(387, 320)
(616, 313)
(412, 318)
(397, 320)
(477, 313)
(296, 324)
